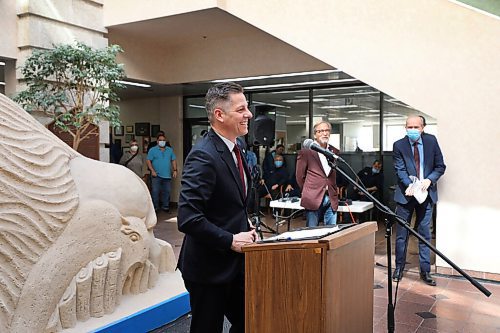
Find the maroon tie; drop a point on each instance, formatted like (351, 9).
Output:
(240, 167)
(416, 156)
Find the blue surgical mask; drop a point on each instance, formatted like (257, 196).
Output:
(375, 170)
(162, 143)
(413, 134)
(278, 164)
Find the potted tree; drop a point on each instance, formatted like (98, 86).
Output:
(74, 85)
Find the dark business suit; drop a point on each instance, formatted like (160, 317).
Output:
(212, 208)
(404, 165)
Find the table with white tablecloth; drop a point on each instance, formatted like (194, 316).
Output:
(294, 205)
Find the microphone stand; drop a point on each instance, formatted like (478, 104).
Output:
(389, 221)
(256, 211)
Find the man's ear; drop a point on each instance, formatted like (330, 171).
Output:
(218, 114)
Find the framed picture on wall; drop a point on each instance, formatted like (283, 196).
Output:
(154, 130)
(145, 143)
(119, 131)
(128, 138)
(142, 129)
(129, 129)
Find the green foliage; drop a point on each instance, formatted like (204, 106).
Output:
(74, 85)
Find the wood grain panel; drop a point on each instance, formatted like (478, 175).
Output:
(283, 289)
(349, 287)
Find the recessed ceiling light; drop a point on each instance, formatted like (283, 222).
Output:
(361, 111)
(136, 84)
(248, 78)
(2, 63)
(304, 100)
(295, 122)
(297, 84)
(351, 106)
(271, 104)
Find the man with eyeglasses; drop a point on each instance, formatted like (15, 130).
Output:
(317, 181)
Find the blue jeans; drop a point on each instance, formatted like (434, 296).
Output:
(422, 223)
(163, 186)
(324, 212)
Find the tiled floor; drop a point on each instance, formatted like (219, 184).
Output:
(454, 305)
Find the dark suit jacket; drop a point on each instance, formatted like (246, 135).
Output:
(212, 207)
(404, 164)
(312, 180)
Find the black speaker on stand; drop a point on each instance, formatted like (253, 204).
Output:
(261, 133)
(262, 126)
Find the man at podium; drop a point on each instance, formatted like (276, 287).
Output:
(212, 214)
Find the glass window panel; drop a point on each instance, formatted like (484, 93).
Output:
(354, 114)
(195, 107)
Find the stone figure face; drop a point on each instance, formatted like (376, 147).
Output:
(74, 233)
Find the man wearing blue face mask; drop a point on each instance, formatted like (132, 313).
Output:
(418, 154)
(278, 176)
(373, 179)
(161, 162)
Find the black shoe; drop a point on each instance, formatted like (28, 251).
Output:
(397, 275)
(166, 210)
(427, 278)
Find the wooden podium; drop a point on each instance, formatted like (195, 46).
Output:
(312, 286)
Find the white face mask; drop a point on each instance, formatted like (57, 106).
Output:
(162, 143)
(134, 148)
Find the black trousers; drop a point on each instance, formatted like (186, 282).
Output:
(210, 303)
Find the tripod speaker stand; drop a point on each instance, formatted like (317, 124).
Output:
(256, 221)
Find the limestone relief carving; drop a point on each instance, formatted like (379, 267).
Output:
(74, 233)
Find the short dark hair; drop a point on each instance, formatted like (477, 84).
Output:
(218, 94)
(424, 123)
(280, 146)
(160, 133)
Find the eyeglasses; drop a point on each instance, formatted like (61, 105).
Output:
(323, 131)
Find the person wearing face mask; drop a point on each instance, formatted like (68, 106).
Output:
(133, 160)
(373, 179)
(317, 180)
(268, 163)
(276, 178)
(418, 154)
(155, 143)
(163, 166)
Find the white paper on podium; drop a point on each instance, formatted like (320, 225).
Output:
(302, 234)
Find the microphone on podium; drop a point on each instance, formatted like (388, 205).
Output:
(313, 145)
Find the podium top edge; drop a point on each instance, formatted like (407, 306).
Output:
(332, 241)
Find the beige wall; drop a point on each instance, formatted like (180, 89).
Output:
(8, 32)
(120, 12)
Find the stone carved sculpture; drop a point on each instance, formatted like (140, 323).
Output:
(74, 233)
